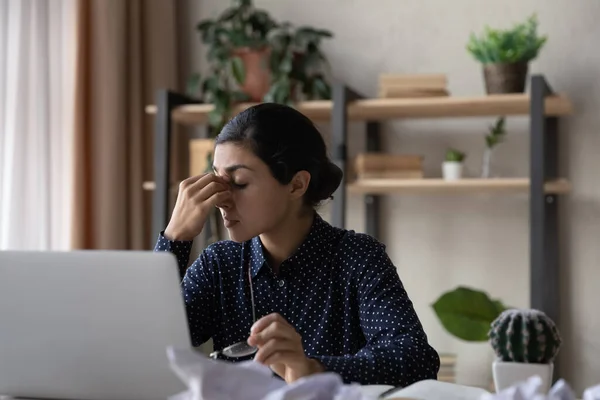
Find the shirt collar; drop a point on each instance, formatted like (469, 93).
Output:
(318, 241)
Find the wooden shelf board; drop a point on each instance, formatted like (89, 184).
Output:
(385, 108)
(435, 185)
(466, 185)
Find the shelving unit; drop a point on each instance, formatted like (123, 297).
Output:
(543, 185)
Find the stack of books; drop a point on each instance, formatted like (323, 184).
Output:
(447, 371)
(388, 166)
(411, 86)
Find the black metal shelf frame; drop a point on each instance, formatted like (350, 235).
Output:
(544, 243)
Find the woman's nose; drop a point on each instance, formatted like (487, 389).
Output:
(225, 204)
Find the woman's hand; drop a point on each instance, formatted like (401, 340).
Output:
(197, 196)
(280, 347)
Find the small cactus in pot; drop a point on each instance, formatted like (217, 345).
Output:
(526, 343)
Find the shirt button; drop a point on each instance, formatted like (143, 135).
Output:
(281, 283)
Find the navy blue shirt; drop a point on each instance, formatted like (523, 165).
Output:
(339, 290)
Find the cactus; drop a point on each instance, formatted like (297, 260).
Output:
(525, 336)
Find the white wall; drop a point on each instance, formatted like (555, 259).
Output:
(479, 241)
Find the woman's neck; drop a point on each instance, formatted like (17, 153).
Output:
(285, 240)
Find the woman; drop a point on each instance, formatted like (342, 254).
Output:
(328, 299)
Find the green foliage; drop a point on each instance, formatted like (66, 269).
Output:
(296, 60)
(521, 43)
(467, 313)
(526, 336)
(455, 155)
(298, 65)
(497, 133)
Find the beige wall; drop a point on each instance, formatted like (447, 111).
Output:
(479, 241)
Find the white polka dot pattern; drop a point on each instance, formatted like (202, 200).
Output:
(339, 290)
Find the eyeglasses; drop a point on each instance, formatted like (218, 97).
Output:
(241, 349)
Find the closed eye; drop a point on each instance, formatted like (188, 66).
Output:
(239, 185)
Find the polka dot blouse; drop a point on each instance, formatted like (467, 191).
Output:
(339, 290)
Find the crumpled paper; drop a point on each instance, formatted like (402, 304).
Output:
(592, 393)
(209, 379)
(530, 390)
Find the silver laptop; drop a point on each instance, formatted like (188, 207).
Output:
(89, 325)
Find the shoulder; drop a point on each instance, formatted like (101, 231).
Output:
(358, 252)
(360, 244)
(366, 261)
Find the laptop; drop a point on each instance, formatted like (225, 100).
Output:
(90, 325)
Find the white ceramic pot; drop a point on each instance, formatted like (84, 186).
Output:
(452, 170)
(507, 374)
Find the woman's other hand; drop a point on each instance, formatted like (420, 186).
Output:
(280, 348)
(196, 197)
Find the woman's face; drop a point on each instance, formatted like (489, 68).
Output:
(258, 202)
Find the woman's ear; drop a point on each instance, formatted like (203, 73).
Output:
(299, 184)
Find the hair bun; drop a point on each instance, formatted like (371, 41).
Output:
(330, 178)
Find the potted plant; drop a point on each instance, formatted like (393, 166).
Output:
(249, 60)
(452, 167)
(238, 44)
(505, 55)
(525, 342)
(496, 135)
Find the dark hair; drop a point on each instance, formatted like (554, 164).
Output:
(287, 141)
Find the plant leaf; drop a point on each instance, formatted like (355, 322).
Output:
(500, 307)
(286, 64)
(215, 118)
(239, 96)
(467, 313)
(321, 89)
(229, 14)
(520, 43)
(193, 85)
(238, 70)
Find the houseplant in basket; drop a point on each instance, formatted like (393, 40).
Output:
(525, 343)
(505, 55)
(452, 167)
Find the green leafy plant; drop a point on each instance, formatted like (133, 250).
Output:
(239, 26)
(296, 61)
(454, 155)
(298, 65)
(497, 133)
(521, 43)
(467, 313)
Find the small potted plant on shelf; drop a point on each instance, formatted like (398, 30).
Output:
(452, 167)
(505, 55)
(496, 135)
(526, 342)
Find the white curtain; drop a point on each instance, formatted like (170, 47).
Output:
(37, 75)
